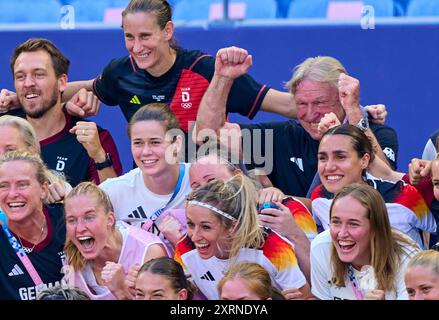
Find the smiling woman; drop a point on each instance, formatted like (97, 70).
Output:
(344, 155)
(159, 182)
(33, 238)
(156, 69)
(367, 258)
(97, 263)
(223, 228)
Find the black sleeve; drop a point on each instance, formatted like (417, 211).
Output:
(254, 139)
(246, 96)
(105, 85)
(388, 140)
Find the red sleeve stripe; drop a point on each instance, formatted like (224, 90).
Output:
(198, 59)
(133, 64)
(256, 101)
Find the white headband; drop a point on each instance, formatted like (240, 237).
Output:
(216, 210)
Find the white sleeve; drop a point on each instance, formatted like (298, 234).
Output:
(429, 151)
(290, 278)
(320, 270)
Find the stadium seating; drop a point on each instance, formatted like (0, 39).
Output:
(259, 9)
(383, 8)
(33, 11)
(200, 9)
(119, 3)
(417, 8)
(318, 8)
(282, 8)
(49, 11)
(90, 11)
(192, 10)
(308, 9)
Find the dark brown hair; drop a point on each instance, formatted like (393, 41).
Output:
(59, 62)
(171, 270)
(155, 112)
(160, 8)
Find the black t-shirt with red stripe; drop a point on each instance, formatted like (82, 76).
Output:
(181, 87)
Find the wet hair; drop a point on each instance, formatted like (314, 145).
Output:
(385, 246)
(172, 271)
(256, 278)
(160, 8)
(236, 197)
(156, 112)
(360, 141)
(319, 69)
(62, 292)
(59, 62)
(25, 156)
(90, 189)
(428, 259)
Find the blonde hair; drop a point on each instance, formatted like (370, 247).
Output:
(29, 137)
(33, 159)
(236, 197)
(74, 256)
(320, 69)
(25, 128)
(385, 244)
(256, 278)
(427, 259)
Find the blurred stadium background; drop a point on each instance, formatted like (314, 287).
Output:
(390, 45)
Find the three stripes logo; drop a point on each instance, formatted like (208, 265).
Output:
(298, 162)
(208, 276)
(16, 271)
(135, 100)
(139, 213)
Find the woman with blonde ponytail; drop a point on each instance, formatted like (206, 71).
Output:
(223, 228)
(100, 252)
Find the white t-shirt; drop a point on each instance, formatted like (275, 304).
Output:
(134, 203)
(276, 256)
(407, 209)
(322, 272)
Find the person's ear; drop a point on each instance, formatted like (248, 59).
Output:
(169, 30)
(182, 294)
(365, 160)
(178, 143)
(233, 227)
(44, 191)
(111, 219)
(62, 82)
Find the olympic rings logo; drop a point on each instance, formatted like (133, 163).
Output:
(186, 105)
